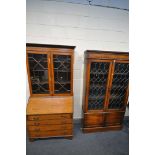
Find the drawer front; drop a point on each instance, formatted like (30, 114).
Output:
(93, 120)
(48, 117)
(114, 118)
(50, 127)
(49, 122)
(44, 134)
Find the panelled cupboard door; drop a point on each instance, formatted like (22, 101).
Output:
(118, 96)
(62, 73)
(98, 73)
(38, 69)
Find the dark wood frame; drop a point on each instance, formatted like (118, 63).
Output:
(50, 50)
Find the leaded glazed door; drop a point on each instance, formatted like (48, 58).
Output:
(98, 74)
(118, 87)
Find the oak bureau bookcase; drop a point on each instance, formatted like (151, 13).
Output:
(50, 75)
(106, 78)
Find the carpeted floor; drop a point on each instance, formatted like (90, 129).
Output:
(101, 143)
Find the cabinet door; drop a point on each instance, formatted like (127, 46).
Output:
(38, 73)
(62, 72)
(119, 86)
(98, 73)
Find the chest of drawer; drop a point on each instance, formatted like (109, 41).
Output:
(50, 122)
(50, 127)
(48, 117)
(45, 134)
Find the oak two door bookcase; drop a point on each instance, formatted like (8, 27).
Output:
(50, 70)
(105, 90)
(50, 106)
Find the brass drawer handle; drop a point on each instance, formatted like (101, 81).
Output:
(36, 118)
(66, 116)
(37, 124)
(63, 116)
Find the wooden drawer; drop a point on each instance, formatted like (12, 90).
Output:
(50, 127)
(49, 122)
(93, 120)
(48, 117)
(114, 118)
(45, 134)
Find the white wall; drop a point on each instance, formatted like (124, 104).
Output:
(86, 27)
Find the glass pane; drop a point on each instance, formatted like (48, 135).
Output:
(39, 73)
(98, 81)
(119, 85)
(62, 74)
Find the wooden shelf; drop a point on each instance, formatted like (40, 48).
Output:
(117, 86)
(115, 97)
(62, 91)
(98, 73)
(95, 97)
(121, 73)
(63, 82)
(40, 70)
(62, 61)
(35, 61)
(61, 70)
(41, 82)
(97, 85)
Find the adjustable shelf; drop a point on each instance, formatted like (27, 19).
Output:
(41, 82)
(97, 85)
(96, 73)
(56, 70)
(121, 74)
(62, 82)
(68, 61)
(95, 97)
